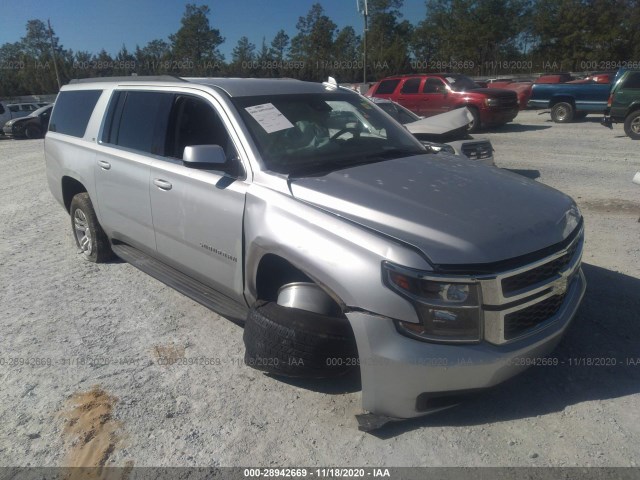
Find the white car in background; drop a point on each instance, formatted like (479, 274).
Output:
(434, 131)
(9, 111)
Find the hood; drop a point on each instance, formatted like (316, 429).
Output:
(442, 123)
(13, 121)
(492, 92)
(455, 211)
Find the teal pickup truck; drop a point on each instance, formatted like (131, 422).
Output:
(570, 101)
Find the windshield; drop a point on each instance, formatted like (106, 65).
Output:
(306, 133)
(461, 83)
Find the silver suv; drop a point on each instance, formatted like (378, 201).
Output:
(307, 213)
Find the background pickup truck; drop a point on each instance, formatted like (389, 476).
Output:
(569, 101)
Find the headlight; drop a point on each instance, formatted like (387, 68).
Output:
(448, 307)
(492, 102)
(439, 147)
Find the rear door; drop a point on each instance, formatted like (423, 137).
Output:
(198, 214)
(410, 95)
(128, 146)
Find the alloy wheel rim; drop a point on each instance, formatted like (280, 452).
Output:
(83, 232)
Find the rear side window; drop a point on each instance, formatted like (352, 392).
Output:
(632, 80)
(138, 120)
(387, 86)
(72, 111)
(412, 85)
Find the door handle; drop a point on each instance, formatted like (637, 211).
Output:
(104, 165)
(162, 184)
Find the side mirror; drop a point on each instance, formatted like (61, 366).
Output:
(207, 157)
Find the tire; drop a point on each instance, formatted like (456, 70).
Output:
(87, 232)
(562, 112)
(474, 126)
(32, 132)
(297, 343)
(632, 125)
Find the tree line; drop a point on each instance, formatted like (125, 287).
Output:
(478, 37)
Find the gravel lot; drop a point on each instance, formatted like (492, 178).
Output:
(95, 391)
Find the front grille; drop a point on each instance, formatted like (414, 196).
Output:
(518, 322)
(477, 150)
(509, 102)
(516, 302)
(539, 274)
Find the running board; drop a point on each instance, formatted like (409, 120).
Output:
(201, 293)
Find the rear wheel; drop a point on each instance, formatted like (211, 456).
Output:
(298, 343)
(632, 125)
(562, 112)
(90, 238)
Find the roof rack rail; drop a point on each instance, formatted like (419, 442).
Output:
(131, 78)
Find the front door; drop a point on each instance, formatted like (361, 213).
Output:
(198, 214)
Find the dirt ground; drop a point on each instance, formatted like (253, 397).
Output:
(103, 365)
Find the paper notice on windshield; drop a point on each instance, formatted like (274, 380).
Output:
(269, 117)
(451, 79)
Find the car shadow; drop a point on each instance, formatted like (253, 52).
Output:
(532, 174)
(605, 331)
(516, 127)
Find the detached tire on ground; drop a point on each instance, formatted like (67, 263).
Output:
(297, 343)
(562, 112)
(632, 125)
(87, 232)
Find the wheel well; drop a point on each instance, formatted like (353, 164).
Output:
(70, 188)
(556, 100)
(633, 109)
(274, 272)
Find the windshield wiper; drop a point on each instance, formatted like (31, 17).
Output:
(323, 168)
(393, 153)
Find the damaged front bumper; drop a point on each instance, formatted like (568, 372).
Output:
(405, 378)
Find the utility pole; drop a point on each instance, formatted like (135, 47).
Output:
(53, 54)
(363, 8)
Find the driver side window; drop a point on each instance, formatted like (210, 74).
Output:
(194, 122)
(433, 85)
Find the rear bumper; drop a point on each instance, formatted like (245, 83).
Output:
(401, 375)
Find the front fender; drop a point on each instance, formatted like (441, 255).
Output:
(342, 257)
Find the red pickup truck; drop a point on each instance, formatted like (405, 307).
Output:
(429, 94)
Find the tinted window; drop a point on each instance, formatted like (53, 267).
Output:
(13, 108)
(387, 86)
(1, 109)
(433, 85)
(141, 120)
(390, 108)
(412, 85)
(73, 110)
(632, 80)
